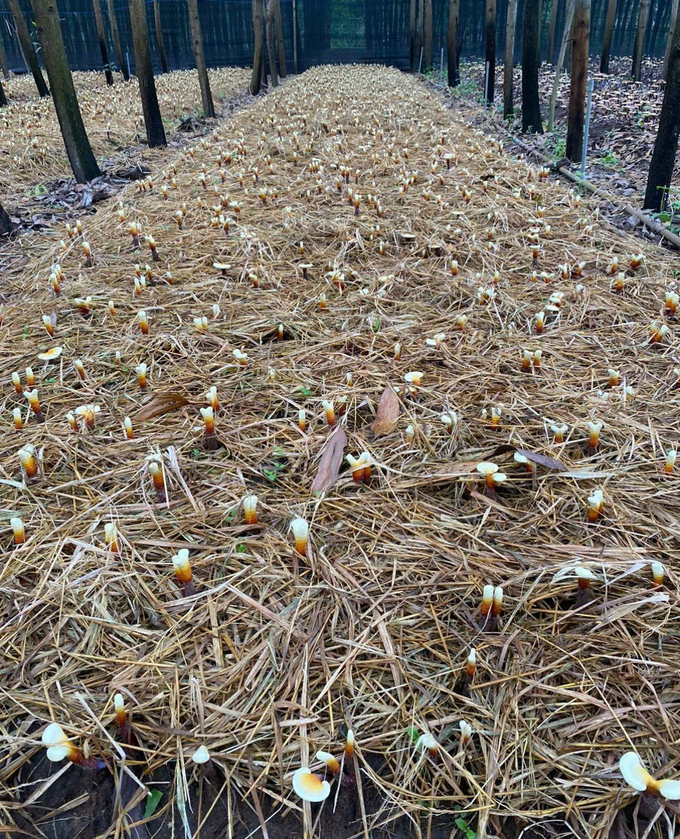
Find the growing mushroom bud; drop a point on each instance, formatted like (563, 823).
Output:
(487, 602)
(527, 358)
(471, 664)
(122, 718)
(595, 505)
(414, 378)
(559, 431)
(143, 322)
(47, 323)
(26, 455)
(448, 422)
(657, 575)
(671, 456)
(156, 472)
(460, 321)
(241, 357)
(427, 741)
(528, 465)
(657, 333)
(87, 251)
(250, 509)
(613, 377)
(34, 402)
(594, 429)
(127, 425)
(210, 440)
(71, 420)
(540, 322)
(16, 381)
(465, 733)
(84, 305)
(80, 369)
(183, 574)
(16, 417)
(300, 530)
(332, 764)
(329, 411)
(111, 537)
(200, 756)
(302, 419)
(18, 530)
(350, 744)
(672, 301)
(488, 470)
(140, 370)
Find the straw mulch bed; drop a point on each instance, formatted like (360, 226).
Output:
(276, 655)
(33, 150)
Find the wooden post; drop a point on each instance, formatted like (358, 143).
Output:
(638, 49)
(553, 23)
(27, 47)
(158, 26)
(3, 98)
(3, 59)
(155, 133)
(608, 35)
(666, 144)
(412, 35)
(115, 35)
(78, 147)
(269, 34)
(258, 50)
(427, 34)
(566, 37)
(101, 39)
(452, 43)
(199, 59)
(295, 38)
(490, 49)
(5, 222)
(510, 23)
(580, 34)
(531, 105)
(279, 39)
(673, 21)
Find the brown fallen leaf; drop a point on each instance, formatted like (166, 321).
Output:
(331, 461)
(159, 404)
(543, 460)
(388, 412)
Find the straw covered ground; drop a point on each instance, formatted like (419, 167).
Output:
(276, 655)
(33, 151)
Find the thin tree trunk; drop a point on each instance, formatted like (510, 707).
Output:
(5, 222)
(78, 147)
(101, 38)
(27, 48)
(269, 34)
(553, 23)
(566, 36)
(510, 23)
(638, 49)
(155, 133)
(199, 59)
(258, 51)
(580, 33)
(666, 144)
(427, 35)
(158, 26)
(419, 34)
(490, 49)
(452, 43)
(279, 39)
(608, 35)
(412, 36)
(115, 36)
(674, 18)
(3, 98)
(3, 59)
(531, 59)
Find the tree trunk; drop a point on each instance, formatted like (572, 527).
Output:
(419, 34)
(258, 52)
(490, 49)
(510, 23)
(279, 39)
(427, 35)
(412, 36)
(199, 59)
(5, 222)
(3, 59)
(158, 26)
(155, 133)
(674, 18)
(269, 34)
(638, 49)
(553, 23)
(580, 34)
(3, 98)
(115, 36)
(452, 43)
(531, 106)
(666, 144)
(77, 145)
(27, 47)
(608, 35)
(566, 37)
(101, 38)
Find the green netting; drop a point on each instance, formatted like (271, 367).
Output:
(328, 31)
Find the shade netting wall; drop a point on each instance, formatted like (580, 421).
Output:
(328, 31)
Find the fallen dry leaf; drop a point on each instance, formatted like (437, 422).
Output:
(543, 460)
(159, 404)
(388, 412)
(331, 461)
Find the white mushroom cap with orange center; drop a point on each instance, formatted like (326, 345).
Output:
(50, 355)
(487, 468)
(310, 787)
(58, 745)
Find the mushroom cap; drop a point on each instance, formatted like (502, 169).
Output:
(54, 735)
(57, 753)
(658, 569)
(181, 559)
(427, 741)
(324, 757)
(201, 755)
(519, 458)
(465, 729)
(634, 773)
(670, 790)
(50, 355)
(499, 477)
(472, 656)
(118, 702)
(300, 530)
(413, 377)
(487, 468)
(310, 787)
